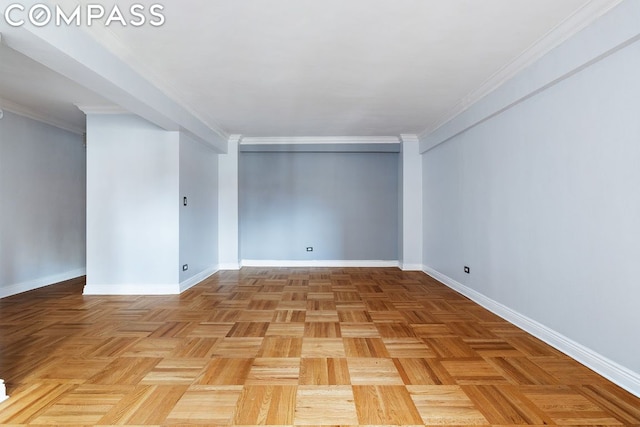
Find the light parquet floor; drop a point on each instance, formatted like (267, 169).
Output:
(289, 347)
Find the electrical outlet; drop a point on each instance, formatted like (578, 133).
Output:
(184, 201)
(310, 249)
(467, 270)
(185, 267)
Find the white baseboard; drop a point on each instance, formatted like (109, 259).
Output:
(233, 266)
(319, 263)
(411, 267)
(19, 288)
(624, 377)
(192, 281)
(132, 289)
(3, 392)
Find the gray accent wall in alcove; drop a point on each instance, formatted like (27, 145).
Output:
(344, 205)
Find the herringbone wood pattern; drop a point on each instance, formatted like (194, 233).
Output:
(289, 347)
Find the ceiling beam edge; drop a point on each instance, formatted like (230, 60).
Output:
(74, 54)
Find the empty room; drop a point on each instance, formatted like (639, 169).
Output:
(320, 212)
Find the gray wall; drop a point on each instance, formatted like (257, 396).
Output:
(199, 219)
(542, 201)
(345, 205)
(42, 212)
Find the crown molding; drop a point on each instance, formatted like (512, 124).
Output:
(293, 140)
(235, 138)
(39, 116)
(102, 109)
(579, 20)
(406, 137)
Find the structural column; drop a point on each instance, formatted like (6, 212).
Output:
(132, 206)
(411, 205)
(228, 222)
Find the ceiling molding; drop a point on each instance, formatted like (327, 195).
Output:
(102, 109)
(595, 43)
(30, 113)
(409, 137)
(235, 138)
(579, 20)
(292, 140)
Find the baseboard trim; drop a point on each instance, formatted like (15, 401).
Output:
(624, 377)
(18, 288)
(320, 263)
(3, 391)
(192, 281)
(132, 289)
(411, 267)
(233, 266)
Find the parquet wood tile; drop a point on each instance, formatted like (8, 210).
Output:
(125, 370)
(385, 405)
(326, 405)
(365, 347)
(324, 371)
(322, 347)
(473, 371)
(266, 405)
(322, 329)
(289, 346)
(282, 330)
(225, 371)
(359, 330)
(237, 347)
(372, 371)
(407, 347)
(567, 406)
(506, 405)
(274, 371)
(174, 371)
(206, 405)
(445, 405)
(145, 405)
(423, 371)
(279, 346)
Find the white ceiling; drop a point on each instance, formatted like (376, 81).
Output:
(316, 67)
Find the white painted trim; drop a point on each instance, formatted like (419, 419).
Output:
(18, 288)
(194, 280)
(319, 263)
(411, 267)
(230, 266)
(320, 140)
(102, 109)
(579, 20)
(132, 289)
(609, 369)
(3, 392)
(38, 116)
(409, 137)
